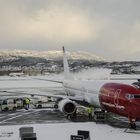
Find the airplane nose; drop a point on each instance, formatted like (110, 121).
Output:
(134, 109)
(136, 103)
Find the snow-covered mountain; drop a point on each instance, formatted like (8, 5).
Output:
(79, 55)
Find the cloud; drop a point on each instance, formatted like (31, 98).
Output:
(52, 24)
(108, 28)
(121, 39)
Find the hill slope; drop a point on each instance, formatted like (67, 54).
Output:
(79, 55)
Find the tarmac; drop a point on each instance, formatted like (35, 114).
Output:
(32, 116)
(50, 116)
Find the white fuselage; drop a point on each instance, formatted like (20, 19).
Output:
(89, 89)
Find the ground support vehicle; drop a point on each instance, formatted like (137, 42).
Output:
(8, 104)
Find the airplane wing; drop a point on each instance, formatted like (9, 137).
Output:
(50, 80)
(58, 96)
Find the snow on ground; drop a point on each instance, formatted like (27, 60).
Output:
(25, 82)
(58, 131)
(64, 130)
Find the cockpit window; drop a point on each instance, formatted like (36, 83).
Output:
(137, 96)
(133, 96)
(130, 96)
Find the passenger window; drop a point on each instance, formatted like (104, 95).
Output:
(137, 96)
(4, 102)
(10, 101)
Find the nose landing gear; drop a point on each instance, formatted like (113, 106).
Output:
(131, 126)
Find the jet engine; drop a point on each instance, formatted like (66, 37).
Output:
(67, 106)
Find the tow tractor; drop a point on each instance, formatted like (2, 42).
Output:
(49, 104)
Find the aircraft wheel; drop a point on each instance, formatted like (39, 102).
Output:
(6, 109)
(39, 106)
(55, 106)
(103, 110)
(14, 108)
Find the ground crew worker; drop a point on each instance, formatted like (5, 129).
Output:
(90, 112)
(27, 102)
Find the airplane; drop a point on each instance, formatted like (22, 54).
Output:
(120, 97)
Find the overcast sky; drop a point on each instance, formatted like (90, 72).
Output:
(108, 28)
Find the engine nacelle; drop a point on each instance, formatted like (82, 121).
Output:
(67, 106)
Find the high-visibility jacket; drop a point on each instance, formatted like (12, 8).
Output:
(89, 110)
(27, 101)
